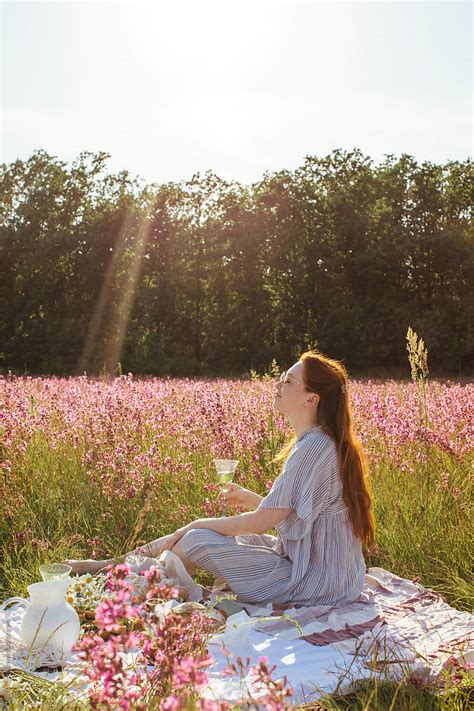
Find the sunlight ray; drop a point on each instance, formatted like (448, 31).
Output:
(114, 344)
(98, 317)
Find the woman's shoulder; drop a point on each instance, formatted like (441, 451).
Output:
(315, 438)
(314, 450)
(313, 446)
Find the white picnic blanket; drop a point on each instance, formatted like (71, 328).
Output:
(396, 626)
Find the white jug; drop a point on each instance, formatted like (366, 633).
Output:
(48, 619)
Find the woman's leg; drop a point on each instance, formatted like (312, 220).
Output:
(179, 551)
(152, 550)
(80, 567)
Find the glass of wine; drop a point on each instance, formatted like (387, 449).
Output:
(225, 473)
(55, 571)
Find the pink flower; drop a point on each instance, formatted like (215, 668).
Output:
(153, 575)
(171, 703)
(113, 612)
(443, 481)
(208, 507)
(187, 672)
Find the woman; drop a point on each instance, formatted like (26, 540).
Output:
(320, 505)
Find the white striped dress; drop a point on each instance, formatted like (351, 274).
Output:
(314, 560)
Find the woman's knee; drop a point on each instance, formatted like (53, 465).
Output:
(193, 536)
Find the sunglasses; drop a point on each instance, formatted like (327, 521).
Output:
(286, 377)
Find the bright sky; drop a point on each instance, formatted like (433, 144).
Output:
(171, 88)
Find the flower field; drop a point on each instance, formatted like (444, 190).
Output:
(91, 467)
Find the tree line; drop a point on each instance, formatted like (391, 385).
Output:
(208, 277)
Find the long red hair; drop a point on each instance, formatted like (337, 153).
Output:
(325, 376)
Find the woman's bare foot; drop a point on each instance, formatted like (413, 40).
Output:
(152, 550)
(155, 548)
(80, 567)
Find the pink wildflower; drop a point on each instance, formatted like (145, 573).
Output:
(187, 672)
(443, 481)
(112, 612)
(171, 703)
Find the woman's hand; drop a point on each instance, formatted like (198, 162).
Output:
(175, 537)
(238, 496)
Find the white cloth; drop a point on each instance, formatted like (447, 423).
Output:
(402, 625)
(172, 570)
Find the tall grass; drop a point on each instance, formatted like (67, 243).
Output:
(87, 465)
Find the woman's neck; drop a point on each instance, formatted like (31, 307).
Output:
(302, 425)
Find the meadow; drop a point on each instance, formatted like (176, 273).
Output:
(90, 467)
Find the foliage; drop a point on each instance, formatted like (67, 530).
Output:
(104, 274)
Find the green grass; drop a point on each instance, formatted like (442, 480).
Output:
(63, 506)
(29, 691)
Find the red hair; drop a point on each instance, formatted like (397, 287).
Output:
(324, 376)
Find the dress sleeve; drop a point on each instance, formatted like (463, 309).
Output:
(303, 485)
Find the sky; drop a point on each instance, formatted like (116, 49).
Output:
(172, 88)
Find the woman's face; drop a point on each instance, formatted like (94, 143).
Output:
(290, 394)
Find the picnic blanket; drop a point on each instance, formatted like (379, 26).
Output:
(395, 627)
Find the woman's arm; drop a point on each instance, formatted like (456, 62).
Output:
(257, 521)
(243, 524)
(255, 501)
(237, 495)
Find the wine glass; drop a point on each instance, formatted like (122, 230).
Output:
(55, 571)
(225, 472)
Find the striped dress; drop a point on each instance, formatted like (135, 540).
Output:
(314, 560)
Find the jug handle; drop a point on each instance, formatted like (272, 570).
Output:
(3, 626)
